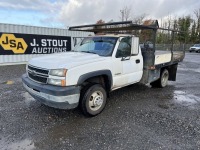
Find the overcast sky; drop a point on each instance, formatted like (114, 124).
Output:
(63, 13)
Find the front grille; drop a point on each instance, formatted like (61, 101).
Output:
(42, 71)
(38, 74)
(37, 78)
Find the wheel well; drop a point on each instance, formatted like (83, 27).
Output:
(101, 79)
(162, 69)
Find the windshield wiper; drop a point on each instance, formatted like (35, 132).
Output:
(88, 52)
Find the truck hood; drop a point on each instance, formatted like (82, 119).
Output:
(65, 60)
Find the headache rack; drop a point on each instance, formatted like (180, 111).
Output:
(149, 28)
(119, 27)
(114, 27)
(128, 27)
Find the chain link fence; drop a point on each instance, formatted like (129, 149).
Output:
(176, 47)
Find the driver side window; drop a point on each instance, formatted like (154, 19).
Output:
(124, 48)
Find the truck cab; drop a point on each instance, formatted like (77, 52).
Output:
(124, 56)
(98, 65)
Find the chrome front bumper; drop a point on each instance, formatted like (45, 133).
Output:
(53, 96)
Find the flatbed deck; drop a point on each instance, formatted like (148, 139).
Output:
(162, 56)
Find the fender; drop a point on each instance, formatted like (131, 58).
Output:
(86, 76)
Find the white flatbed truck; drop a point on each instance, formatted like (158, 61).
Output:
(98, 65)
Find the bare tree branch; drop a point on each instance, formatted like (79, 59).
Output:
(125, 13)
(139, 19)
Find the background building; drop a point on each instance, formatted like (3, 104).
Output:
(13, 51)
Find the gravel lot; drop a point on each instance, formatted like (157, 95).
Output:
(136, 117)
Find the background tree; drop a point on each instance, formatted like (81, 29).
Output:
(197, 15)
(184, 26)
(100, 21)
(193, 37)
(189, 26)
(139, 19)
(125, 13)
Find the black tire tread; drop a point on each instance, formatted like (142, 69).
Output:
(157, 83)
(84, 93)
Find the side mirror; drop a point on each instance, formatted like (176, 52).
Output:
(135, 45)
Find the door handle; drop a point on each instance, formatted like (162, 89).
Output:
(137, 61)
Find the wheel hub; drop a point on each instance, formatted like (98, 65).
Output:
(164, 79)
(98, 101)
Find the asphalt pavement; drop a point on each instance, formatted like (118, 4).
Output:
(135, 117)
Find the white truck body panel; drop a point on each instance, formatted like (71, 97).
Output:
(128, 71)
(65, 60)
(74, 73)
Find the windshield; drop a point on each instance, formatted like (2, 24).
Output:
(102, 46)
(197, 45)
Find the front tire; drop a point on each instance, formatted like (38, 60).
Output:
(93, 100)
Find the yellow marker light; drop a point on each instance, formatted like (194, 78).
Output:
(63, 82)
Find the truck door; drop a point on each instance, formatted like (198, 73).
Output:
(129, 62)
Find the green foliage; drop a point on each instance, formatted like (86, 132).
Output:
(189, 31)
(193, 37)
(163, 37)
(184, 26)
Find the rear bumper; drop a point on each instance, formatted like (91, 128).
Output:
(194, 50)
(53, 96)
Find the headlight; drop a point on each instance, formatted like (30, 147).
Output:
(58, 72)
(59, 82)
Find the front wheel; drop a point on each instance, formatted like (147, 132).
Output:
(93, 100)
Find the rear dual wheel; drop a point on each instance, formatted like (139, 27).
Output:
(162, 81)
